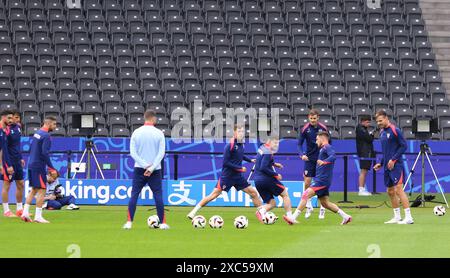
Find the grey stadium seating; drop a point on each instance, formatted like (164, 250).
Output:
(115, 58)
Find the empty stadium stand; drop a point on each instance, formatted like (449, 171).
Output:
(116, 58)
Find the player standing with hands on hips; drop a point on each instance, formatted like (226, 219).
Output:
(309, 133)
(393, 145)
(147, 148)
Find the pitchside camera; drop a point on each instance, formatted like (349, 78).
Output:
(423, 128)
(85, 123)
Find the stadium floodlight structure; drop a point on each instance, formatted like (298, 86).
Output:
(423, 128)
(86, 125)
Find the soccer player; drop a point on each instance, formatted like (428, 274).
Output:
(393, 145)
(268, 182)
(147, 148)
(322, 180)
(232, 171)
(308, 134)
(37, 174)
(13, 136)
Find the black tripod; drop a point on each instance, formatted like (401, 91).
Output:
(89, 150)
(424, 150)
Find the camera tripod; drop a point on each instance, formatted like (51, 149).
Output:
(89, 150)
(423, 153)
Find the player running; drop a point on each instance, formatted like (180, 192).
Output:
(232, 170)
(309, 133)
(393, 145)
(37, 174)
(147, 148)
(322, 180)
(268, 182)
(13, 136)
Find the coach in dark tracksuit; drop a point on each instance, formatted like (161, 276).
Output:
(364, 148)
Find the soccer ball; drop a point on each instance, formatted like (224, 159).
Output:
(439, 210)
(153, 221)
(199, 222)
(216, 222)
(241, 222)
(270, 218)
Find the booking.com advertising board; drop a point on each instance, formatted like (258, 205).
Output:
(193, 168)
(175, 193)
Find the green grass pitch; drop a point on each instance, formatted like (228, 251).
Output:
(97, 231)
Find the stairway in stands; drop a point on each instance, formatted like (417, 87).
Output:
(436, 14)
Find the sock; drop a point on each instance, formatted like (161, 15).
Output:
(5, 207)
(196, 209)
(407, 213)
(397, 213)
(342, 213)
(321, 207)
(26, 210)
(362, 189)
(19, 206)
(308, 203)
(289, 214)
(296, 214)
(159, 203)
(38, 213)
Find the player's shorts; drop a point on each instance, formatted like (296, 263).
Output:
(320, 188)
(225, 183)
(37, 178)
(309, 169)
(393, 177)
(365, 164)
(269, 189)
(18, 173)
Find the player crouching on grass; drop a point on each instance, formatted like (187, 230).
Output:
(232, 170)
(54, 199)
(268, 181)
(322, 180)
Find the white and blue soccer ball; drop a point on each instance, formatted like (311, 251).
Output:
(199, 222)
(439, 210)
(241, 222)
(216, 222)
(153, 222)
(270, 218)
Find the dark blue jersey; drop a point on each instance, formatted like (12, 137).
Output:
(309, 133)
(324, 172)
(13, 133)
(393, 145)
(39, 150)
(233, 154)
(6, 160)
(264, 165)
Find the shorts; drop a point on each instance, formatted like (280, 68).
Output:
(226, 183)
(18, 173)
(269, 189)
(309, 169)
(393, 177)
(321, 190)
(365, 164)
(37, 178)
